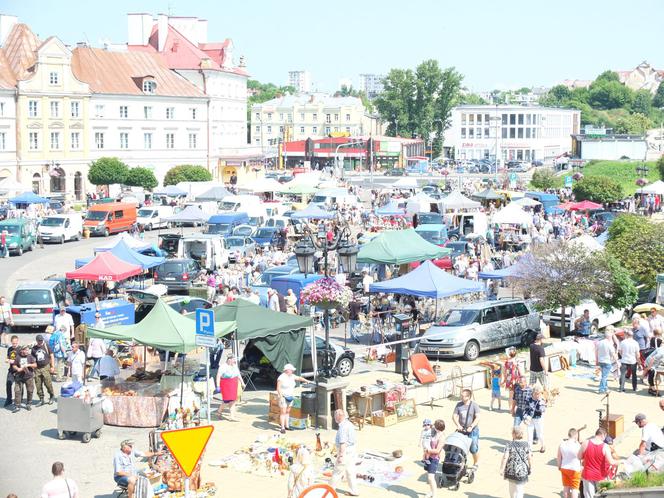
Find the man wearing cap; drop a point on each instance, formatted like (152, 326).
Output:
(64, 319)
(538, 364)
(124, 465)
(23, 368)
(45, 368)
(652, 437)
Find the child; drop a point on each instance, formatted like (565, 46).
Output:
(496, 376)
(425, 439)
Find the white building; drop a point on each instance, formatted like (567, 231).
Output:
(298, 117)
(371, 84)
(300, 80)
(515, 133)
(7, 129)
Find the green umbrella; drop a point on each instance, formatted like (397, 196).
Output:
(399, 247)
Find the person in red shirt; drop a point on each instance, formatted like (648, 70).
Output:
(595, 455)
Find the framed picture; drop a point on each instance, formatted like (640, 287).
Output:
(554, 363)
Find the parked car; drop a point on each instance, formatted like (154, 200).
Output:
(239, 247)
(145, 302)
(267, 236)
(395, 172)
(430, 218)
(342, 360)
(154, 216)
(176, 274)
(458, 247)
(467, 330)
(60, 228)
(244, 231)
(21, 235)
(33, 303)
(598, 317)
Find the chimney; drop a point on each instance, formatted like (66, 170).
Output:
(139, 27)
(6, 25)
(201, 31)
(162, 31)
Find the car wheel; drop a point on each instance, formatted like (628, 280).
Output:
(472, 351)
(344, 366)
(106, 232)
(594, 327)
(62, 239)
(20, 251)
(78, 236)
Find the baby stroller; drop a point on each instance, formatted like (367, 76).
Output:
(456, 448)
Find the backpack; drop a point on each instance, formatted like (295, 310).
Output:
(55, 344)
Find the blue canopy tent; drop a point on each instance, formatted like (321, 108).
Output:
(29, 198)
(126, 253)
(312, 212)
(390, 209)
(501, 274)
(427, 280)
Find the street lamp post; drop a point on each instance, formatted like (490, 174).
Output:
(347, 252)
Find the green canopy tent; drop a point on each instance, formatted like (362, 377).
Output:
(399, 247)
(280, 336)
(487, 195)
(162, 328)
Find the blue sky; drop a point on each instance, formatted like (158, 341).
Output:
(495, 44)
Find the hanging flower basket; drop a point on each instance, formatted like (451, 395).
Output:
(577, 176)
(326, 293)
(642, 182)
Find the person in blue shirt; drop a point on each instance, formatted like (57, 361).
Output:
(583, 324)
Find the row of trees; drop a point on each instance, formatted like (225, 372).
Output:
(110, 171)
(419, 102)
(609, 102)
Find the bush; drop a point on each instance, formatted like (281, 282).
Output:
(187, 173)
(107, 171)
(598, 189)
(544, 179)
(660, 166)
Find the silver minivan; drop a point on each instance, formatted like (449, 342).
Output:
(466, 330)
(33, 303)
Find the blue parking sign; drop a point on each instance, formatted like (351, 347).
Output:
(205, 327)
(568, 181)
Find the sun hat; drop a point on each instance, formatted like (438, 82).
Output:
(289, 366)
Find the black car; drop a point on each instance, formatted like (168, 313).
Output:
(395, 172)
(177, 274)
(182, 304)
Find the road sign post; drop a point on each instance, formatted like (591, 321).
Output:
(205, 337)
(187, 446)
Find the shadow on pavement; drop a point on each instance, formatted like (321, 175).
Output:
(50, 433)
(403, 491)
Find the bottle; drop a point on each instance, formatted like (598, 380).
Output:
(319, 446)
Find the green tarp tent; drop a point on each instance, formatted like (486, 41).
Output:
(399, 247)
(280, 336)
(162, 328)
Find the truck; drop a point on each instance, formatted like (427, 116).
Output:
(208, 250)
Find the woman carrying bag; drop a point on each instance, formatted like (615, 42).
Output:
(516, 463)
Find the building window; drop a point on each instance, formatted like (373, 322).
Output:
(336, 117)
(529, 119)
(281, 129)
(149, 86)
(504, 133)
(269, 129)
(290, 118)
(314, 130)
(486, 132)
(99, 111)
(463, 118)
(512, 119)
(3, 140)
(258, 128)
(147, 112)
(75, 140)
(55, 109)
(519, 132)
(147, 140)
(34, 140)
(348, 129)
(520, 119)
(53, 78)
(193, 112)
(170, 113)
(463, 133)
(471, 132)
(75, 108)
(327, 130)
(124, 140)
(55, 140)
(99, 139)
(347, 117)
(301, 129)
(471, 119)
(193, 138)
(269, 116)
(281, 116)
(486, 119)
(124, 112)
(170, 140)
(315, 117)
(33, 108)
(328, 118)
(301, 116)
(512, 132)
(504, 119)
(2, 108)
(258, 115)
(479, 119)
(528, 132)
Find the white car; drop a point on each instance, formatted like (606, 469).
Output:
(598, 317)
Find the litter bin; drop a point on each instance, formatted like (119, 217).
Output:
(308, 403)
(77, 416)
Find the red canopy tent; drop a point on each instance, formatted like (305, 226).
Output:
(107, 267)
(584, 206)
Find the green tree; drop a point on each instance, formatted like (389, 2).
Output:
(107, 171)
(619, 290)
(636, 124)
(349, 91)
(543, 179)
(447, 98)
(187, 173)
(557, 96)
(658, 99)
(660, 167)
(470, 98)
(642, 102)
(397, 101)
(605, 94)
(608, 76)
(638, 244)
(597, 189)
(141, 177)
(428, 79)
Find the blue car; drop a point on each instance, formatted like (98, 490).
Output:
(266, 236)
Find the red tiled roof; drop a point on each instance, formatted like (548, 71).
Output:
(7, 79)
(123, 72)
(20, 51)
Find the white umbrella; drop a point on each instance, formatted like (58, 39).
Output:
(526, 202)
(512, 214)
(589, 242)
(456, 200)
(654, 188)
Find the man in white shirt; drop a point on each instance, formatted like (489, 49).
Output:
(76, 361)
(655, 320)
(606, 357)
(629, 355)
(367, 280)
(64, 318)
(652, 437)
(6, 321)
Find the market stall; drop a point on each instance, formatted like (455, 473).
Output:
(124, 252)
(456, 201)
(312, 212)
(399, 247)
(105, 267)
(213, 194)
(132, 242)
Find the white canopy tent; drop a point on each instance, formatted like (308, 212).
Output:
(420, 203)
(512, 214)
(526, 202)
(263, 185)
(405, 183)
(456, 200)
(656, 188)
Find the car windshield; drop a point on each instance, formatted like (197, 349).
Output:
(245, 231)
(319, 199)
(218, 228)
(96, 215)
(171, 268)
(32, 296)
(234, 242)
(254, 221)
(458, 318)
(145, 213)
(11, 229)
(433, 236)
(228, 206)
(52, 222)
(262, 232)
(264, 280)
(430, 218)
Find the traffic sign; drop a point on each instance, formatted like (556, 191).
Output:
(205, 328)
(187, 445)
(568, 181)
(513, 177)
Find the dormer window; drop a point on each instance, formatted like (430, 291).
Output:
(54, 78)
(149, 86)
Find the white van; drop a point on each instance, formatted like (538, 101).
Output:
(153, 216)
(208, 250)
(61, 227)
(467, 223)
(598, 317)
(240, 203)
(327, 198)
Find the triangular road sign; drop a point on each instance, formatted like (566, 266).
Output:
(187, 445)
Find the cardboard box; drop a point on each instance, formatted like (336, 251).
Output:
(297, 423)
(385, 420)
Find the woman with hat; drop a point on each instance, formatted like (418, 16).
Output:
(286, 392)
(229, 381)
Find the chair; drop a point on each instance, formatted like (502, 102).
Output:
(247, 376)
(120, 491)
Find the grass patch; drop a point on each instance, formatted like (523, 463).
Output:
(623, 172)
(645, 480)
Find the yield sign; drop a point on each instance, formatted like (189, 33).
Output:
(187, 445)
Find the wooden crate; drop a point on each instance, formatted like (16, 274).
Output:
(407, 405)
(385, 420)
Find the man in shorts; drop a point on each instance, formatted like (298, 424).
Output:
(466, 417)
